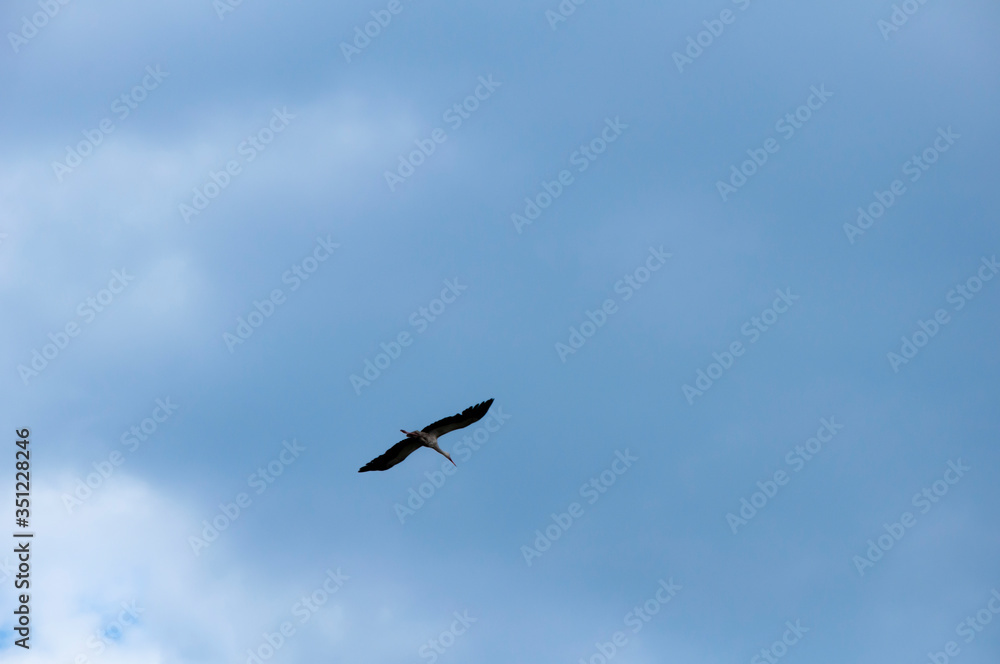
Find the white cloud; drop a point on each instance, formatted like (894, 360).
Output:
(128, 543)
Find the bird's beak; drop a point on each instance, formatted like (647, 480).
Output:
(452, 461)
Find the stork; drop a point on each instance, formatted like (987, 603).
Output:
(427, 437)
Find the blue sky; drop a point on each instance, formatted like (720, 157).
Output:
(123, 307)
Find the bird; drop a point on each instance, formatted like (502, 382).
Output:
(427, 437)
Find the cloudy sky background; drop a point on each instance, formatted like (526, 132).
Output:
(323, 177)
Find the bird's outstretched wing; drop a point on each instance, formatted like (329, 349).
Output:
(394, 455)
(460, 421)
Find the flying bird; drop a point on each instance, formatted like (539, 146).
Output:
(427, 437)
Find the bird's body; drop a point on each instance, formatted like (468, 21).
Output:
(427, 437)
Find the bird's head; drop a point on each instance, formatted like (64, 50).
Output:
(437, 448)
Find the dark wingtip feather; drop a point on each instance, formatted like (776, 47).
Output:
(464, 418)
